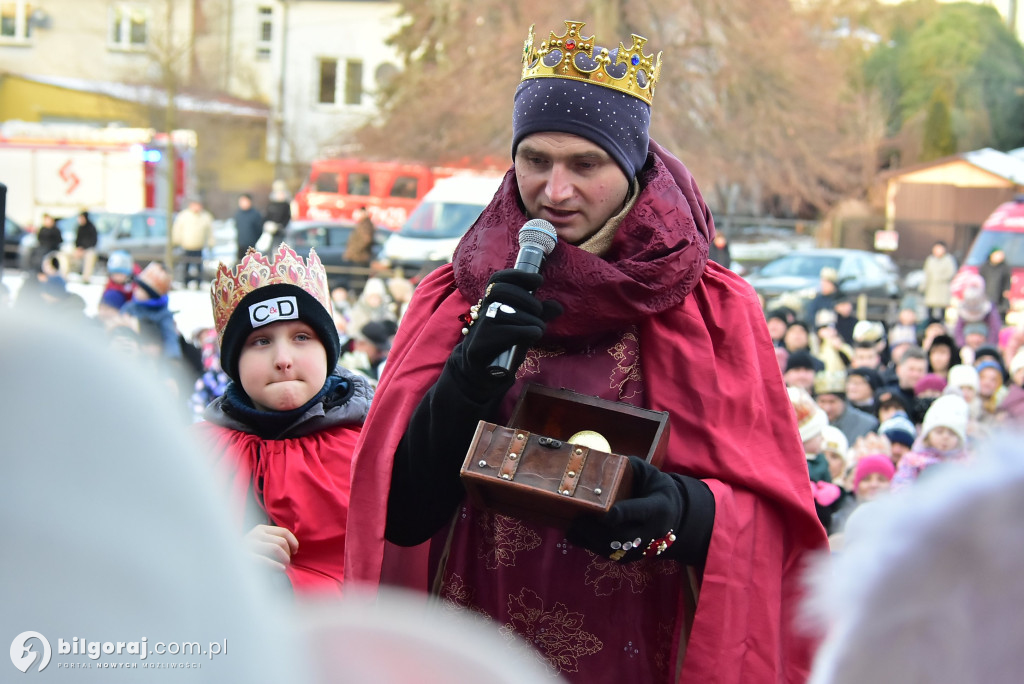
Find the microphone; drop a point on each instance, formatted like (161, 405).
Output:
(537, 238)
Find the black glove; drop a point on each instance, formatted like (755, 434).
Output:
(645, 524)
(518, 318)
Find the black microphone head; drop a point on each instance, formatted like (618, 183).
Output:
(538, 233)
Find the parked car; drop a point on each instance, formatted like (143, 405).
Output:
(329, 239)
(795, 278)
(142, 234)
(13, 237)
(435, 227)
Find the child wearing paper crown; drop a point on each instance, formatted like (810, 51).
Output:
(943, 440)
(284, 430)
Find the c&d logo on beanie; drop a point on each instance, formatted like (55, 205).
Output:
(270, 310)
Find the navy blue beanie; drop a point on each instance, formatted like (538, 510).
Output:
(615, 121)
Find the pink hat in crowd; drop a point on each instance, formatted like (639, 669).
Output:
(873, 463)
(931, 382)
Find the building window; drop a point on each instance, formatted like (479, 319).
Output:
(353, 82)
(328, 81)
(14, 20)
(128, 27)
(265, 32)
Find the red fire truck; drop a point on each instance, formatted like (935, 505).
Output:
(389, 190)
(61, 169)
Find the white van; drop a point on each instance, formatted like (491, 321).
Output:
(434, 228)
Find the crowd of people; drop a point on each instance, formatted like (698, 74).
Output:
(337, 422)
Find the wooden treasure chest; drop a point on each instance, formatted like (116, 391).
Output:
(532, 469)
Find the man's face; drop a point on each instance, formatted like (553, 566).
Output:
(569, 181)
(843, 308)
(910, 371)
(938, 251)
(831, 405)
(776, 328)
(244, 203)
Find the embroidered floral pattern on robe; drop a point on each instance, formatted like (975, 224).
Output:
(502, 537)
(607, 576)
(626, 376)
(557, 633)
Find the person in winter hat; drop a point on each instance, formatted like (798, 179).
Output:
(975, 310)
(835, 447)
(284, 430)
(901, 433)
(149, 304)
(811, 421)
(943, 440)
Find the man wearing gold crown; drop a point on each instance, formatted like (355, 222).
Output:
(284, 430)
(627, 308)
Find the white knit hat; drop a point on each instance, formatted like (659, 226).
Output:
(810, 418)
(962, 375)
(868, 331)
(1017, 362)
(835, 441)
(948, 411)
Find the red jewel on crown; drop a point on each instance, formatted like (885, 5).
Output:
(570, 45)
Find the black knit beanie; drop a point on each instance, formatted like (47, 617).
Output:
(271, 304)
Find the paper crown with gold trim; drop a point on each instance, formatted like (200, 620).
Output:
(571, 56)
(255, 271)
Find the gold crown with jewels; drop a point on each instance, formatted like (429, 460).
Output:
(256, 271)
(571, 55)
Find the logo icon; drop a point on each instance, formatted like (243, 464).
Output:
(23, 656)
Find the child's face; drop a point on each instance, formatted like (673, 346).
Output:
(943, 439)
(939, 356)
(989, 380)
(814, 444)
(836, 465)
(974, 340)
(887, 411)
(871, 486)
(865, 357)
(282, 365)
(908, 317)
(898, 449)
(795, 338)
(119, 278)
